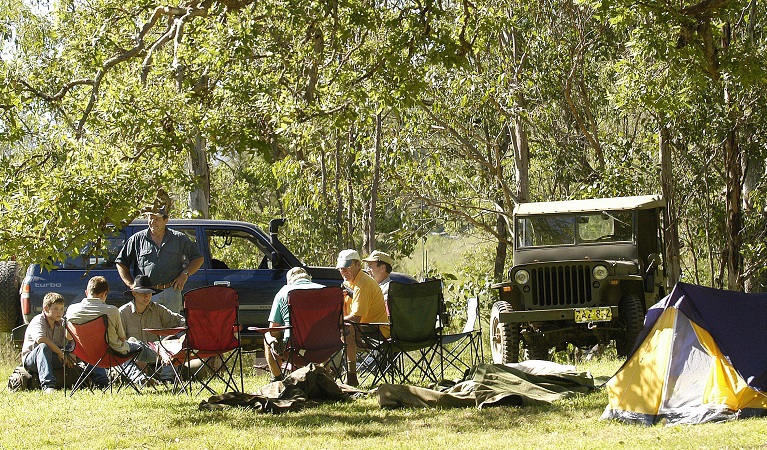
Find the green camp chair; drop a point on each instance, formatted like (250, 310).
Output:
(413, 352)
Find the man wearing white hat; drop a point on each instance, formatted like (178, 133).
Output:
(364, 303)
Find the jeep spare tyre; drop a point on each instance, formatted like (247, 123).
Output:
(9, 295)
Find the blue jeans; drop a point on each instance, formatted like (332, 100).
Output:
(170, 298)
(43, 361)
(146, 355)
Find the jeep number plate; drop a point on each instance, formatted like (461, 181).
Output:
(593, 315)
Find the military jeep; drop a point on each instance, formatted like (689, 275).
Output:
(584, 273)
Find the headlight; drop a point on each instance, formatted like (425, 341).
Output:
(522, 276)
(600, 272)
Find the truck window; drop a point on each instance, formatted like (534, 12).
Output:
(235, 249)
(90, 258)
(545, 230)
(607, 226)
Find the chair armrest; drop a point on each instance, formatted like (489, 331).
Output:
(165, 331)
(269, 329)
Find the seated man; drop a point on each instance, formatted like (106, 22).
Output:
(94, 305)
(142, 313)
(274, 341)
(379, 266)
(42, 352)
(364, 303)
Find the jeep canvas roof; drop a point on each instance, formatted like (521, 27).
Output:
(591, 205)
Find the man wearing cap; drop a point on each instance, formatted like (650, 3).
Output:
(364, 303)
(143, 313)
(274, 341)
(168, 257)
(380, 266)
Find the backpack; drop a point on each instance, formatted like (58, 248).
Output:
(21, 380)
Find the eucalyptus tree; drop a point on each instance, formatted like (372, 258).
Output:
(697, 68)
(145, 90)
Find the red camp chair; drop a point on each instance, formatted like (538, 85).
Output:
(211, 336)
(92, 347)
(316, 323)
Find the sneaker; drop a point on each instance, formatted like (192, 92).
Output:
(50, 390)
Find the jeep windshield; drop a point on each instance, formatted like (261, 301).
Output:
(573, 229)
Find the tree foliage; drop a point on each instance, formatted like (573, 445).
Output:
(447, 113)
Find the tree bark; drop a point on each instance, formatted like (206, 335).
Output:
(199, 198)
(370, 229)
(671, 229)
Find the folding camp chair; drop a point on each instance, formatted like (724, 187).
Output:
(211, 337)
(92, 347)
(414, 343)
(454, 346)
(316, 324)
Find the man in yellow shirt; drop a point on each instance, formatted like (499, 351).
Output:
(364, 303)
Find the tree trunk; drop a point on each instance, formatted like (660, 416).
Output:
(370, 228)
(733, 169)
(734, 223)
(671, 229)
(339, 175)
(199, 198)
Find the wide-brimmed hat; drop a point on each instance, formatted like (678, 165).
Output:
(161, 210)
(143, 285)
(379, 256)
(346, 258)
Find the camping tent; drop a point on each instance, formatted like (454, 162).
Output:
(701, 357)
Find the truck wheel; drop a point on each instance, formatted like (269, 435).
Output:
(504, 337)
(9, 295)
(631, 316)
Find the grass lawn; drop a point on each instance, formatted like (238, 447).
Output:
(125, 420)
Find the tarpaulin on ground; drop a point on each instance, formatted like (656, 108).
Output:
(305, 387)
(526, 383)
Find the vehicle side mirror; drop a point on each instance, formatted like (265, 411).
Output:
(653, 261)
(276, 260)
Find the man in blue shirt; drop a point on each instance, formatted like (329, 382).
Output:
(274, 341)
(168, 257)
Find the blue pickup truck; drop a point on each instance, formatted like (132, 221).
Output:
(237, 254)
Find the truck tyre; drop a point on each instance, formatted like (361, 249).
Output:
(631, 316)
(9, 295)
(504, 337)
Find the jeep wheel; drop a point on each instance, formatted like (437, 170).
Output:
(504, 337)
(631, 316)
(9, 295)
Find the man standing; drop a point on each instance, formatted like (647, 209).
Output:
(364, 303)
(274, 341)
(168, 257)
(44, 340)
(380, 266)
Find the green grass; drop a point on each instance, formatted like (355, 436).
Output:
(87, 420)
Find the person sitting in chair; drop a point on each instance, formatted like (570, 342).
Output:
(44, 340)
(274, 341)
(143, 313)
(93, 306)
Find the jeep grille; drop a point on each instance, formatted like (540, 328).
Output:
(561, 285)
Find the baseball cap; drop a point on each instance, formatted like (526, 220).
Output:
(346, 258)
